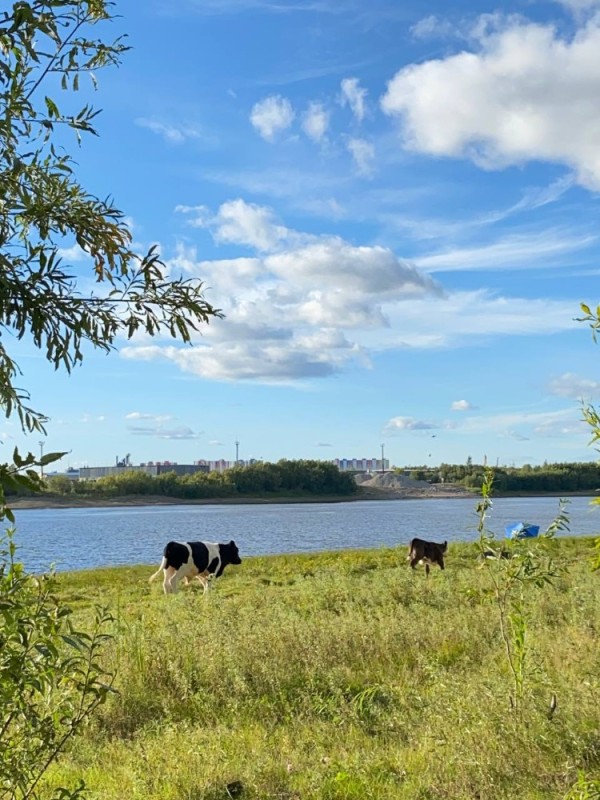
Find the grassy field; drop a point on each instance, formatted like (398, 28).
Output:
(343, 675)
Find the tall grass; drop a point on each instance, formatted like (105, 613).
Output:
(343, 675)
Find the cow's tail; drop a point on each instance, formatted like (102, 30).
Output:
(163, 564)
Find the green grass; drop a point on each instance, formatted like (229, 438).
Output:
(339, 676)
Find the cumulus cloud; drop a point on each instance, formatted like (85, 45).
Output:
(570, 385)
(271, 116)
(267, 362)
(173, 134)
(354, 96)
(316, 122)
(461, 405)
(239, 222)
(363, 154)
(301, 306)
(332, 263)
(525, 93)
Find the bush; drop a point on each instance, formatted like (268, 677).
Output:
(50, 678)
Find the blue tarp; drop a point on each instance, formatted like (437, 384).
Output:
(521, 530)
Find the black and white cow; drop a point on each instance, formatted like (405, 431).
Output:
(195, 560)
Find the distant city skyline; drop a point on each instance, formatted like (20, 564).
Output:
(396, 207)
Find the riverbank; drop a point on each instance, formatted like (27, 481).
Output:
(434, 491)
(364, 493)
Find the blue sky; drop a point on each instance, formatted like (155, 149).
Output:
(395, 205)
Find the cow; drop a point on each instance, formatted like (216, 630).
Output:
(428, 552)
(201, 560)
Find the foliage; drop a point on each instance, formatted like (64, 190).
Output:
(546, 477)
(590, 414)
(20, 476)
(286, 478)
(512, 567)
(44, 210)
(51, 678)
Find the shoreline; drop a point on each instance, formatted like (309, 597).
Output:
(435, 492)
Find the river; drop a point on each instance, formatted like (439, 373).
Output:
(81, 538)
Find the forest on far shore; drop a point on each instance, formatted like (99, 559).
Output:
(560, 477)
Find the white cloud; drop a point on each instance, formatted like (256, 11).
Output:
(138, 415)
(525, 424)
(461, 405)
(238, 222)
(579, 5)
(527, 93)
(173, 134)
(158, 432)
(363, 154)
(249, 224)
(354, 95)
(316, 122)
(272, 115)
(570, 385)
(307, 306)
(333, 264)
(243, 360)
(398, 424)
(72, 254)
(433, 27)
(197, 216)
(512, 252)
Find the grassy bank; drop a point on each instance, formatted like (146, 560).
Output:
(339, 676)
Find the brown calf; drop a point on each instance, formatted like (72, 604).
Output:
(428, 552)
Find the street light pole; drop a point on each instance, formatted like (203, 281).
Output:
(41, 456)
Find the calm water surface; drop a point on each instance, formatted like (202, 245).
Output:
(79, 538)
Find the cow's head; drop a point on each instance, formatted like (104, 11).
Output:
(230, 553)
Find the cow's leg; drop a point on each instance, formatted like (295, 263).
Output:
(414, 562)
(426, 569)
(169, 573)
(177, 574)
(203, 579)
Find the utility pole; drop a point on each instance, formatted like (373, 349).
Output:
(41, 456)
(382, 459)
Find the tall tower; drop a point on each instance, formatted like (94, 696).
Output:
(237, 451)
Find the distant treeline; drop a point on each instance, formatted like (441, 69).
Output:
(562, 477)
(285, 478)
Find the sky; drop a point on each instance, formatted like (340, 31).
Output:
(395, 205)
